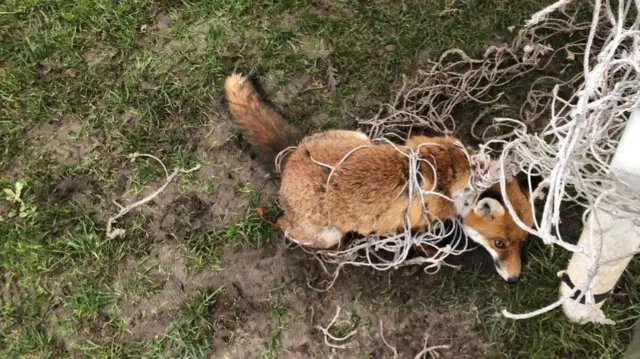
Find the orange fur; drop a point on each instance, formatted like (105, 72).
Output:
(263, 126)
(500, 226)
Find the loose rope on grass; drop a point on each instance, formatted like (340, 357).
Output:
(328, 336)
(112, 232)
(430, 350)
(391, 347)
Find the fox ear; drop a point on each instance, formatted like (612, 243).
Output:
(524, 179)
(488, 207)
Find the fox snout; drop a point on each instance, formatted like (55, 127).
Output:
(508, 270)
(506, 259)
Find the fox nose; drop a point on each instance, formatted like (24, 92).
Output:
(513, 279)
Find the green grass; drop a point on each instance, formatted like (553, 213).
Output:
(549, 335)
(205, 249)
(146, 76)
(193, 326)
(278, 313)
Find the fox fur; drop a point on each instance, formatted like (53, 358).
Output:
(339, 181)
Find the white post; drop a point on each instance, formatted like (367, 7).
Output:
(619, 236)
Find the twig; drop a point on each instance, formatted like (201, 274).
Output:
(118, 232)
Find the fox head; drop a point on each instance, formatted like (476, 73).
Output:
(486, 221)
(489, 223)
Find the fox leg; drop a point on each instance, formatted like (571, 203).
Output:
(310, 235)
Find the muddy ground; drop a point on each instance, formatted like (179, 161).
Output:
(252, 278)
(198, 273)
(378, 306)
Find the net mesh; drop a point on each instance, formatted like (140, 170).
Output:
(586, 58)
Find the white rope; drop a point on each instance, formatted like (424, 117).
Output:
(573, 151)
(328, 336)
(112, 232)
(581, 139)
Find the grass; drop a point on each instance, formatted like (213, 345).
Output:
(193, 327)
(146, 76)
(549, 335)
(206, 248)
(278, 313)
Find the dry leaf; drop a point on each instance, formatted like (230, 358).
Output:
(332, 78)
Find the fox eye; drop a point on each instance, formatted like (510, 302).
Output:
(499, 244)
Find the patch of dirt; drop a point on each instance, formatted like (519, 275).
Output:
(149, 317)
(100, 56)
(195, 42)
(62, 139)
(367, 104)
(163, 22)
(171, 46)
(55, 323)
(333, 9)
(300, 100)
(288, 20)
(453, 328)
(99, 331)
(253, 278)
(364, 295)
(284, 95)
(315, 48)
(72, 189)
(186, 214)
(246, 288)
(215, 198)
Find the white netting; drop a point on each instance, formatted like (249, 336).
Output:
(391, 251)
(574, 150)
(583, 114)
(567, 130)
(429, 101)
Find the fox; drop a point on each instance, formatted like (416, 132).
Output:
(340, 181)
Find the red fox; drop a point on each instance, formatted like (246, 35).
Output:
(336, 182)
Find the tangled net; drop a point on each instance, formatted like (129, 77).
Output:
(574, 149)
(428, 101)
(566, 130)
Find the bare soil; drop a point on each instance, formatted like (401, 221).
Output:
(252, 277)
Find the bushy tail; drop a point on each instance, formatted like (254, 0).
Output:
(263, 127)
